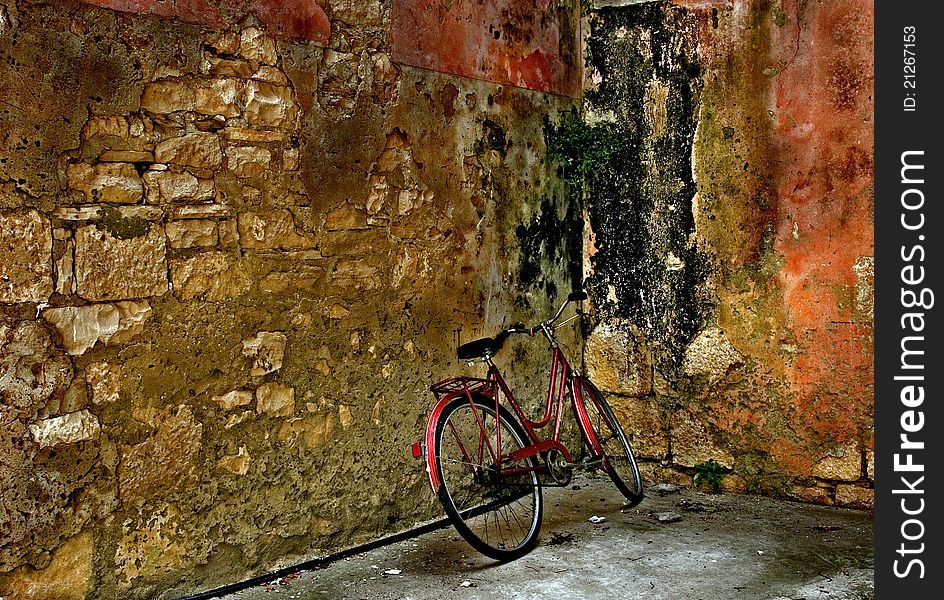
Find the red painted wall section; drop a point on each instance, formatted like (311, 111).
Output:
(295, 19)
(822, 105)
(534, 44)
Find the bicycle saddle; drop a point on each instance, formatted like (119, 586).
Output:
(482, 347)
(477, 349)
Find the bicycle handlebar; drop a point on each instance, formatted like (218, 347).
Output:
(575, 296)
(489, 346)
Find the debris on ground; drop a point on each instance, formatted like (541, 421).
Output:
(664, 489)
(392, 572)
(597, 519)
(692, 506)
(668, 517)
(558, 538)
(281, 581)
(466, 584)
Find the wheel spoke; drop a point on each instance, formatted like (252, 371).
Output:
(617, 456)
(499, 514)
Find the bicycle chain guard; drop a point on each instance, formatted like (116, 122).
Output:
(558, 468)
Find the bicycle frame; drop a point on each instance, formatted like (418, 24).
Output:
(561, 380)
(491, 489)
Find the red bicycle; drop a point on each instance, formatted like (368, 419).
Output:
(487, 464)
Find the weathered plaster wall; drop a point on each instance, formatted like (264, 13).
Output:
(729, 252)
(234, 253)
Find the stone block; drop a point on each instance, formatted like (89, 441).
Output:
(271, 231)
(290, 276)
(270, 74)
(67, 577)
(238, 463)
(226, 67)
(200, 149)
(812, 494)
(269, 105)
(33, 372)
(65, 270)
(840, 464)
(192, 233)
(275, 400)
(410, 200)
(168, 96)
(81, 327)
(291, 159)
(104, 381)
(212, 276)
(693, 444)
(617, 360)
(314, 429)
(233, 399)
(254, 44)
(236, 419)
(346, 217)
(77, 213)
(360, 274)
(106, 126)
(133, 265)
(224, 42)
(25, 257)
(229, 234)
(257, 136)
(853, 496)
(201, 211)
(864, 269)
(642, 423)
(151, 545)
(710, 354)
(219, 97)
(127, 156)
(67, 429)
(106, 182)
(345, 416)
(169, 186)
(248, 161)
(266, 350)
(164, 461)
(319, 428)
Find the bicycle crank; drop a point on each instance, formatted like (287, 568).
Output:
(559, 469)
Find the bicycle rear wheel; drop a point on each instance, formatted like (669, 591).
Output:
(498, 514)
(618, 460)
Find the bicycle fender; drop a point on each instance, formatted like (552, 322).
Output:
(429, 440)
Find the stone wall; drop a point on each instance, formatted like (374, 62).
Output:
(729, 247)
(234, 254)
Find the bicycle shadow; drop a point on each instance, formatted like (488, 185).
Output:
(565, 526)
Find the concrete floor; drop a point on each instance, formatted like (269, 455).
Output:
(677, 544)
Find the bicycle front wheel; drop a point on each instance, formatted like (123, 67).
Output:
(496, 506)
(606, 434)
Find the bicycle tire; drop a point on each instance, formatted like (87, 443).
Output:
(500, 516)
(618, 459)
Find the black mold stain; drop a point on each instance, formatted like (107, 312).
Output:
(548, 243)
(493, 137)
(640, 203)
